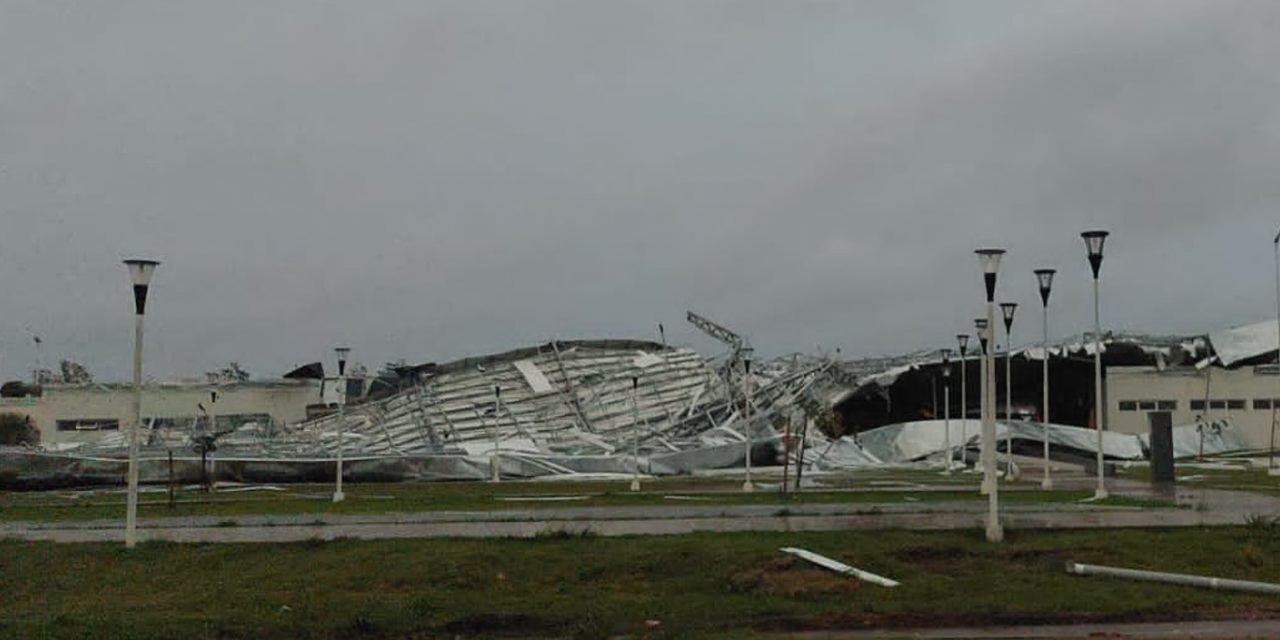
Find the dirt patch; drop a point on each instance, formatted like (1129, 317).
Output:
(947, 557)
(786, 577)
(933, 556)
(905, 620)
(515, 624)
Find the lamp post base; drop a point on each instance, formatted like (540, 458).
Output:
(1100, 493)
(995, 532)
(339, 496)
(747, 487)
(1046, 484)
(635, 484)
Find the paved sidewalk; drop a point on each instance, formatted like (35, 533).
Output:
(1197, 507)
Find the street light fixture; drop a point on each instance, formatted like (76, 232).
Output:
(1093, 242)
(946, 406)
(140, 272)
(1045, 279)
(342, 353)
(989, 259)
(1007, 309)
(962, 339)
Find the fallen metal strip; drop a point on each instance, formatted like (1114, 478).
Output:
(840, 567)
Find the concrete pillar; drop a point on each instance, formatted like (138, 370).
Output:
(1161, 425)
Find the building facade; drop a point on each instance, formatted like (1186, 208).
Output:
(84, 413)
(1247, 395)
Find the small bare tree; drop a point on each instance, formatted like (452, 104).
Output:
(74, 373)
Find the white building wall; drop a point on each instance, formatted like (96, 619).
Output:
(284, 401)
(1243, 395)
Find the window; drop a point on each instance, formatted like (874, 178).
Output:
(1147, 405)
(1197, 405)
(88, 425)
(1128, 405)
(1167, 405)
(1235, 404)
(1261, 404)
(1217, 404)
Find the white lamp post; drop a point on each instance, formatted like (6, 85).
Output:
(342, 353)
(980, 328)
(1093, 241)
(635, 433)
(497, 441)
(962, 340)
(140, 271)
(1045, 279)
(1271, 457)
(990, 261)
(946, 406)
(1007, 309)
(747, 487)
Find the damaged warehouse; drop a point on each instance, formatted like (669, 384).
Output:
(571, 407)
(616, 407)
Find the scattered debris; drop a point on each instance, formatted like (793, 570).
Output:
(840, 567)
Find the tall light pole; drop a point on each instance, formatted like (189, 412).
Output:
(496, 467)
(1007, 309)
(747, 487)
(1045, 278)
(946, 406)
(1271, 458)
(990, 261)
(635, 433)
(1093, 242)
(980, 327)
(140, 271)
(342, 353)
(962, 340)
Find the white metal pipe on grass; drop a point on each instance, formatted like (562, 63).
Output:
(1224, 584)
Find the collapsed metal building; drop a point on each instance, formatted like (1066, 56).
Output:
(562, 408)
(607, 408)
(909, 388)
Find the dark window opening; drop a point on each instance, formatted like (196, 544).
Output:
(89, 425)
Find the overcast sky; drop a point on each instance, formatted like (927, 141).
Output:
(427, 180)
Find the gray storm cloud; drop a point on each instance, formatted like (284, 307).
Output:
(431, 179)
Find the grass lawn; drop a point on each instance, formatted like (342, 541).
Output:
(724, 585)
(475, 496)
(1243, 479)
